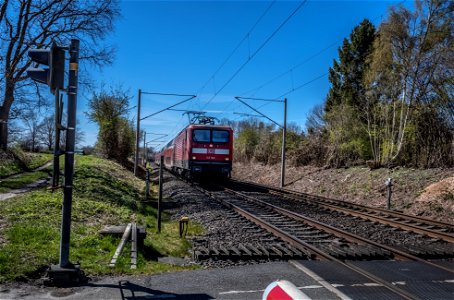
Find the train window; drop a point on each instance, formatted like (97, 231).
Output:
(200, 135)
(220, 136)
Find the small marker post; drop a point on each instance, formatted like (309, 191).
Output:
(389, 184)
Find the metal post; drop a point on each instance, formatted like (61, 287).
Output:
(160, 194)
(147, 184)
(69, 154)
(56, 166)
(284, 130)
(389, 184)
(136, 160)
(144, 151)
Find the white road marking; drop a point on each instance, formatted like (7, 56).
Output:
(320, 280)
(373, 284)
(261, 291)
(310, 287)
(241, 292)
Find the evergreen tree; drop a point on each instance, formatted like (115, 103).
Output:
(347, 75)
(345, 120)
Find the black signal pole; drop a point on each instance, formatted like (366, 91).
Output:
(65, 273)
(69, 154)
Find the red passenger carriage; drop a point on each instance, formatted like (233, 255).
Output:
(199, 150)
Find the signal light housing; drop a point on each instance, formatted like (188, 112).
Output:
(54, 58)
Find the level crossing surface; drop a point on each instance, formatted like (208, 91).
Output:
(318, 280)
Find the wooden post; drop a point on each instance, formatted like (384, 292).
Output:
(134, 246)
(121, 245)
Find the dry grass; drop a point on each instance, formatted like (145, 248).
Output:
(413, 190)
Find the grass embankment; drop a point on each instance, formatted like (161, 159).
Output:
(16, 161)
(104, 193)
(21, 164)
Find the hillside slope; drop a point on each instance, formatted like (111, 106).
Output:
(104, 193)
(427, 193)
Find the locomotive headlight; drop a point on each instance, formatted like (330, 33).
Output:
(193, 157)
(211, 145)
(226, 158)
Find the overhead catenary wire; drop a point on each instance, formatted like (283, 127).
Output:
(302, 85)
(257, 111)
(167, 108)
(293, 89)
(256, 51)
(299, 65)
(247, 35)
(293, 67)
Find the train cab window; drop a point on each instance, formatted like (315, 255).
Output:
(200, 135)
(220, 136)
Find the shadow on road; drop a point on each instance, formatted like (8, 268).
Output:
(132, 291)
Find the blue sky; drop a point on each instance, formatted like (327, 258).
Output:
(176, 47)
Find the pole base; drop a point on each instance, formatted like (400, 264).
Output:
(59, 276)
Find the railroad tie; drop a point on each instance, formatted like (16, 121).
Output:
(277, 251)
(244, 249)
(225, 250)
(264, 251)
(256, 251)
(285, 250)
(237, 252)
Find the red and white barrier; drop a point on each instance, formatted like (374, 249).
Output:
(283, 290)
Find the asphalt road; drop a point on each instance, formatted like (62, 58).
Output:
(318, 280)
(247, 282)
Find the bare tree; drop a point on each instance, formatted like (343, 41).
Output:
(47, 131)
(31, 120)
(26, 24)
(411, 67)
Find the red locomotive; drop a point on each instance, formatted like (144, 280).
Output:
(200, 149)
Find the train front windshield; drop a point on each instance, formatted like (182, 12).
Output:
(210, 136)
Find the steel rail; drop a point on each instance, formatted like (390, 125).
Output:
(338, 232)
(370, 214)
(301, 245)
(383, 220)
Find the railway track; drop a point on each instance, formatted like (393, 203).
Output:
(329, 239)
(317, 240)
(294, 236)
(418, 225)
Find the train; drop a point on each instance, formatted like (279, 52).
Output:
(198, 151)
